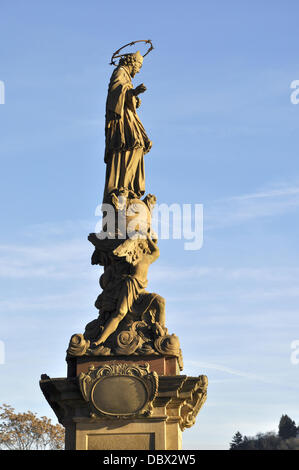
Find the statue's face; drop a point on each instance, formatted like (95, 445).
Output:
(135, 68)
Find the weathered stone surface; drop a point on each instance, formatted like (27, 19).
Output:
(162, 365)
(177, 402)
(119, 390)
(131, 320)
(123, 389)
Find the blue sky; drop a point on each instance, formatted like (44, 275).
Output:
(225, 135)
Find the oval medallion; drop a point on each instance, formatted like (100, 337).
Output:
(119, 395)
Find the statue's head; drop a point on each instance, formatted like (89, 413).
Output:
(133, 62)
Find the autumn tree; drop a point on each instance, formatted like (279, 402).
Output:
(25, 431)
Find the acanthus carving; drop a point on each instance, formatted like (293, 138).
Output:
(193, 405)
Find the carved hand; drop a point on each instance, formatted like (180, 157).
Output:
(139, 89)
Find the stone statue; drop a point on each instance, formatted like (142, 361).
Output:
(132, 285)
(126, 139)
(123, 388)
(131, 320)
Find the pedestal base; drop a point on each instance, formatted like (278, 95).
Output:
(162, 365)
(135, 435)
(124, 406)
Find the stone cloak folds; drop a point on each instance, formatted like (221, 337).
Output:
(126, 139)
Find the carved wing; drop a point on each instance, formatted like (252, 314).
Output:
(130, 250)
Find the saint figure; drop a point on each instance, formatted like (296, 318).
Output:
(126, 139)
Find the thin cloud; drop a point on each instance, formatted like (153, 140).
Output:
(268, 194)
(67, 228)
(172, 273)
(243, 208)
(228, 370)
(71, 259)
(75, 300)
(56, 260)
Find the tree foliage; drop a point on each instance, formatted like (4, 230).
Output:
(25, 431)
(285, 439)
(236, 440)
(287, 427)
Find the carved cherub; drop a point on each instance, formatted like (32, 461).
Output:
(140, 254)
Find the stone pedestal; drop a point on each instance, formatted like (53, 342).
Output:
(125, 403)
(162, 365)
(147, 434)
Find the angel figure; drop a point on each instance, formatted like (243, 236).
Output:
(132, 296)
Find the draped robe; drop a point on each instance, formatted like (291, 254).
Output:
(126, 139)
